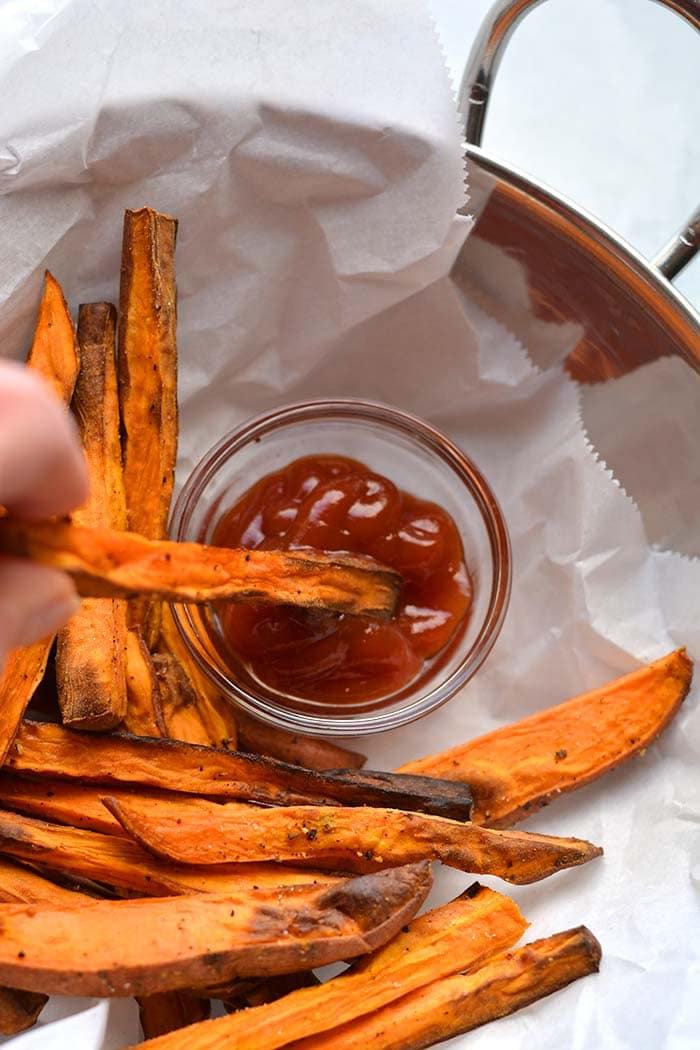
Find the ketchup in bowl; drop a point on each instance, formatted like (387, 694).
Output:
(333, 503)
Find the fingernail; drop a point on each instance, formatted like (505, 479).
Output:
(49, 618)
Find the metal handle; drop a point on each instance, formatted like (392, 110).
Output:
(477, 84)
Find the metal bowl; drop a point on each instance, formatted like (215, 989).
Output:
(576, 269)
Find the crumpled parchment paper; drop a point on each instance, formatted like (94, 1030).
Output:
(316, 172)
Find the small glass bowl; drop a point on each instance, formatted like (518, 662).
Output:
(418, 459)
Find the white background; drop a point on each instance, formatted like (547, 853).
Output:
(600, 100)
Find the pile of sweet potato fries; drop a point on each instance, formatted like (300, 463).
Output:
(180, 852)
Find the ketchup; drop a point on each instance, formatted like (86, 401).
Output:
(332, 503)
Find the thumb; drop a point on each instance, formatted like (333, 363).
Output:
(42, 467)
(34, 603)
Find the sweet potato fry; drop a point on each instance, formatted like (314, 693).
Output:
(454, 1005)
(148, 380)
(46, 750)
(159, 1014)
(257, 991)
(90, 665)
(178, 703)
(168, 1011)
(19, 680)
(444, 941)
(54, 353)
(195, 831)
(435, 945)
(19, 884)
(118, 862)
(90, 653)
(144, 716)
(307, 751)
(515, 770)
(55, 356)
(215, 716)
(141, 947)
(19, 1010)
(454, 937)
(57, 800)
(63, 801)
(148, 367)
(105, 563)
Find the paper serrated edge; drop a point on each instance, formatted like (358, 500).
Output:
(454, 92)
(656, 548)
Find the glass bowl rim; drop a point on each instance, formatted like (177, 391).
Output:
(419, 431)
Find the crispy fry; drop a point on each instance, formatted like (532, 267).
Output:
(63, 801)
(44, 750)
(515, 770)
(144, 716)
(19, 884)
(105, 563)
(19, 1010)
(90, 665)
(307, 751)
(371, 782)
(22, 674)
(444, 941)
(167, 1011)
(256, 991)
(90, 654)
(148, 381)
(57, 800)
(178, 702)
(118, 862)
(141, 947)
(194, 831)
(55, 356)
(148, 367)
(54, 353)
(215, 715)
(455, 1005)
(454, 937)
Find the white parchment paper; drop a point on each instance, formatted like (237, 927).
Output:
(309, 150)
(312, 155)
(653, 446)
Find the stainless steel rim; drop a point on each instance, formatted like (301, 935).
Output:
(685, 317)
(477, 86)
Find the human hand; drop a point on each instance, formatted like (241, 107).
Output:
(42, 473)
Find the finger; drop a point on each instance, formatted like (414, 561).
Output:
(34, 602)
(42, 467)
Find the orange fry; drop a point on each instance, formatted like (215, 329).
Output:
(45, 750)
(515, 770)
(116, 861)
(54, 353)
(464, 933)
(194, 831)
(148, 382)
(105, 563)
(90, 653)
(141, 947)
(455, 1005)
